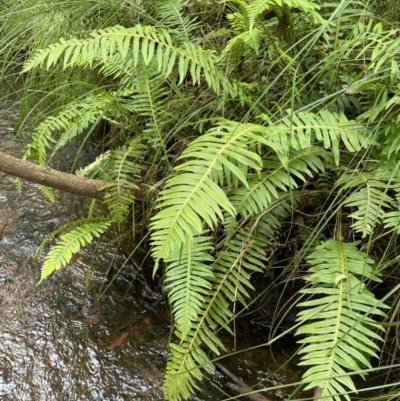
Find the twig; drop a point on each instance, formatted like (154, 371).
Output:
(240, 386)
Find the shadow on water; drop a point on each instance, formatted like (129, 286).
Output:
(58, 342)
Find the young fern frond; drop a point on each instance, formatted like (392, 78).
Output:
(337, 322)
(69, 244)
(231, 269)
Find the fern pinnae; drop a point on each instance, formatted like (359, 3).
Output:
(69, 244)
(188, 280)
(263, 190)
(371, 200)
(172, 17)
(337, 273)
(143, 43)
(196, 196)
(244, 254)
(70, 121)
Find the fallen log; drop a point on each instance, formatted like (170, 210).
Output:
(57, 179)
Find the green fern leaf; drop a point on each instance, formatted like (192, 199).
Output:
(329, 129)
(391, 219)
(257, 7)
(242, 255)
(71, 121)
(192, 197)
(371, 203)
(143, 43)
(172, 17)
(340, 334)
(122, 172)
(262, 191)
(188, 281)
(69, 244)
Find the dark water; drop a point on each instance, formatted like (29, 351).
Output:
(60, 341)
(54, 337)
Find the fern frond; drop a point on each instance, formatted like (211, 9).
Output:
(47, 192)
(123, 170)
(188, 279)
(231, 278)
(371, 202)
(328, 128)
(72, 120)
(193, 197)
(391, 218)
(341, 308)
(379, 45)
(172, 17)
(148, 102)
(242, 45)
(139, 43)
(257, 7)
(262, 191)
(269, 220)
(69, 244)
(120, 168)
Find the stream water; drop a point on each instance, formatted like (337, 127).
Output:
(59, 342)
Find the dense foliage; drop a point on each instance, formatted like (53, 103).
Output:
(239, 117)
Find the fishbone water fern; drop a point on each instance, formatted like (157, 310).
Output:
(69, 244)
(238, 123)
(137, 43)
(229, 276)
(339, 321)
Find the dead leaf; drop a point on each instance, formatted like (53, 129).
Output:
(279, 30)
(118, 342)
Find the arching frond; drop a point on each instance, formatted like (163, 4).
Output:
(340, 332)
(188, 280)
(193, 197)
(138, 43)
(69, 244)
(231, 269)
(72, 120)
